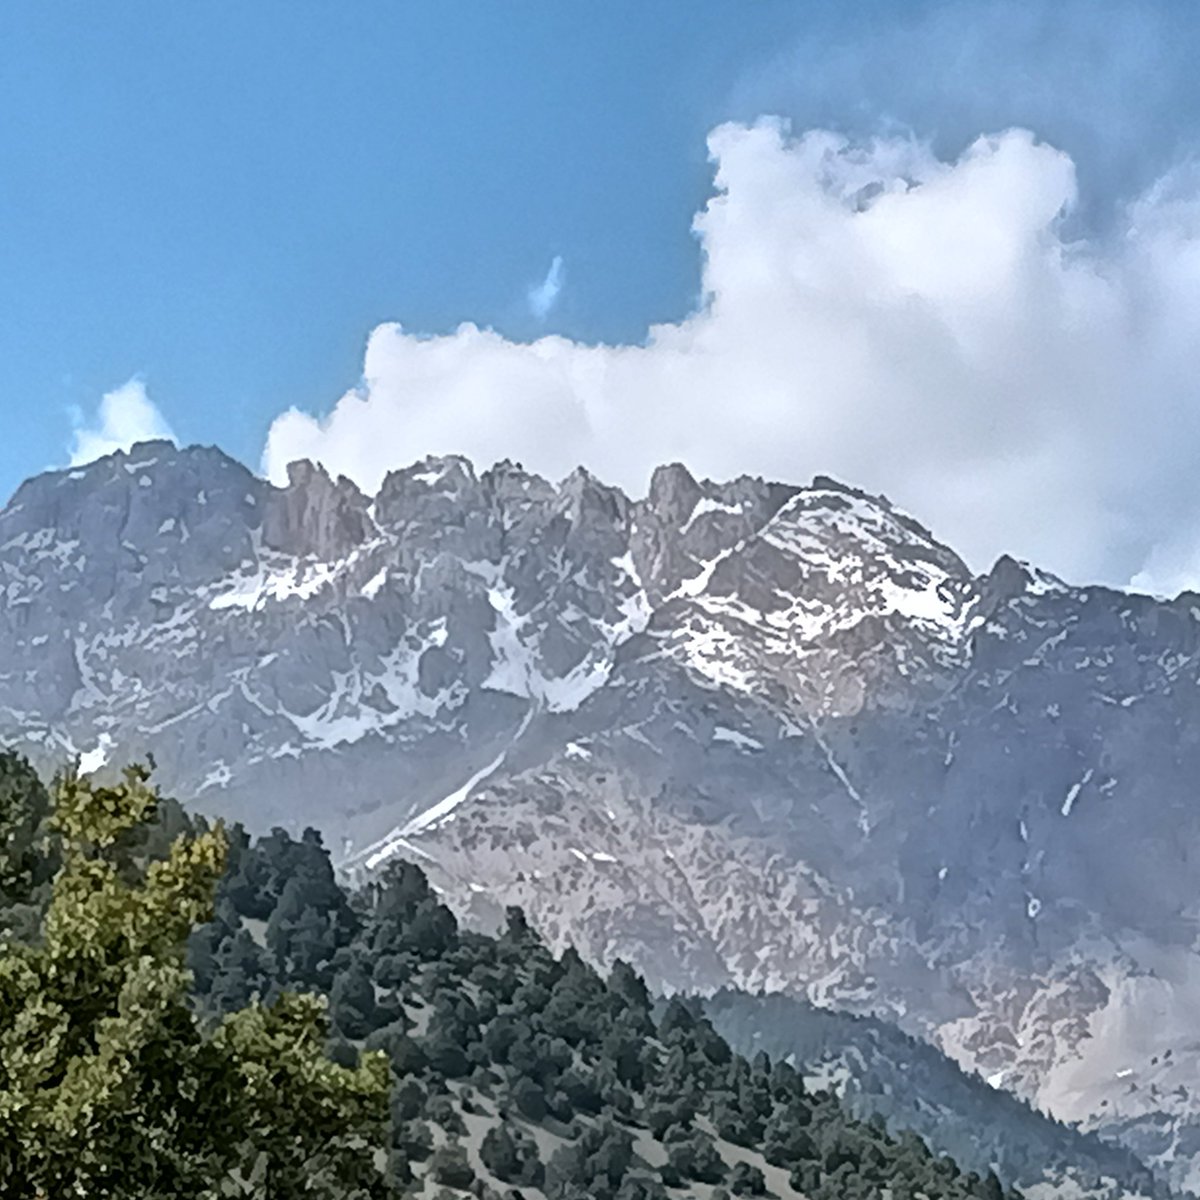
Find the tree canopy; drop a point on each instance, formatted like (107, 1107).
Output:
(110, 1086)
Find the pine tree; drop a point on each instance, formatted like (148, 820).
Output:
(26, 864)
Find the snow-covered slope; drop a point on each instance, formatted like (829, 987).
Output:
(748, 733)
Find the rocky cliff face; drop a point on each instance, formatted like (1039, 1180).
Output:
(742, 733)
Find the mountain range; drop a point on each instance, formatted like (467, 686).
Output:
(745, 734)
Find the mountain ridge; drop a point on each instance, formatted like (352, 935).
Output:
(816, 752)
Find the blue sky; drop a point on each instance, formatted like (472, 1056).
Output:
(224, 200)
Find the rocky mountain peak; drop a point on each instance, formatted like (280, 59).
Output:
(316, 516)
(446, 478)
(739, 732)
(673, 494)
(834, 598)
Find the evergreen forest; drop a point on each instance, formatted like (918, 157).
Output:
(189, 1012)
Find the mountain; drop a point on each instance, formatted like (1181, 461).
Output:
(746, 734)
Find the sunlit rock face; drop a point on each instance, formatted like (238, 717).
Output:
(744, 732)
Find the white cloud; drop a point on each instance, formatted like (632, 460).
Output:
(544, 296)
(914, 326)
(125, 416)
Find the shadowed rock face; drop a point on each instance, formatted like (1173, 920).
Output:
(745, 733)
(314, 516)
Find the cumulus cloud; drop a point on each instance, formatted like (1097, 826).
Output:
(544, 296)
(125, 416)
(916, 326)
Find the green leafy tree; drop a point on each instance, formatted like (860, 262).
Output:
(352, 1001)
(240, 975)
(595, 1165)
(512, 1156)
(450, 1165)
(747, 1180)
(405, 921)
(642, 1187)
(109, 1087)
(695, 1157)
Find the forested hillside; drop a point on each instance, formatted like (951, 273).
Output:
(457, 1063)
(881, 1072)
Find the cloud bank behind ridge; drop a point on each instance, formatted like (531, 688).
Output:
(920, 327)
